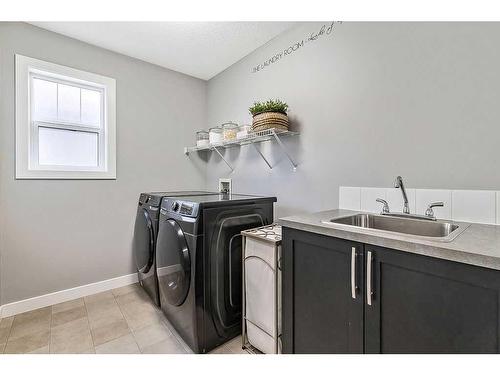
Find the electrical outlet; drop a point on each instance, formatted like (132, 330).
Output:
(225, 186)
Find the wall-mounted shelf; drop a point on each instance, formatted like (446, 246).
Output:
(253, 138)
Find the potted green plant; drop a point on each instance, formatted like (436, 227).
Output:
(271, 114)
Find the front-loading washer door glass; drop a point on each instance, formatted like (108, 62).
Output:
(173, 263)
(143, 243)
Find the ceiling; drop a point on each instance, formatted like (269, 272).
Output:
(199, 49)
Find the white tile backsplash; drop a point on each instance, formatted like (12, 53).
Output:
(395, 199)
(474, 205)
(426, 196)
(368, 199)
(349, 198)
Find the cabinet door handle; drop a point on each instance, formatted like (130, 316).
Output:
(369, 265)
(354, 287)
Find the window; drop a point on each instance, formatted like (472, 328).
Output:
(65, 122)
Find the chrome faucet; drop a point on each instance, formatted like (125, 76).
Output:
(385, 207)
(399, 184)
(430, 212)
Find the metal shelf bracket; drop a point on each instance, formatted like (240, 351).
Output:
(283, 148)
(222, 157)
(262, 156)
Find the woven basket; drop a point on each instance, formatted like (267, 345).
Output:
(270, 120)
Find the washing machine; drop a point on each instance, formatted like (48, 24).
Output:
(145, 233)
(198, 260)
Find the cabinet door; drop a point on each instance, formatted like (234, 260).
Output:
(427, 305)
(320, 314)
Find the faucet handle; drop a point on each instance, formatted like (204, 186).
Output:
(385, 208)
(430, 212)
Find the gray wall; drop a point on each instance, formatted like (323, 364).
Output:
(372, 100)
(61, 234)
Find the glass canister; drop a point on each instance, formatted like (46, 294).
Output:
(215, 135)
(229, 130)
(243, 131)
(202, 138)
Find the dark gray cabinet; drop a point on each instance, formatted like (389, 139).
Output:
(346, 297)
(322, 304)
(428, 305)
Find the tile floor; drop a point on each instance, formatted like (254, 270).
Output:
(120, 321)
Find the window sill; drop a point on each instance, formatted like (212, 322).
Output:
(64, 175)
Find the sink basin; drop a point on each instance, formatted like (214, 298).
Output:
(432, 230)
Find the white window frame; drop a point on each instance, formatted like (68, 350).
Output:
(27, 166)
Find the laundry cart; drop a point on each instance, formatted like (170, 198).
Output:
(261, 302)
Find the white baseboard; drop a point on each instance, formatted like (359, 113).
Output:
(65, 295)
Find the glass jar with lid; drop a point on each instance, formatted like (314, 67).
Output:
(215, 135)
(202, 138)
(229, 130)
(243, 131)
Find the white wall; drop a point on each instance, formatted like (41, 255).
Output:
(61, 234)
(372, 101)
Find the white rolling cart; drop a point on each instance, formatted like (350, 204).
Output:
(261, 302)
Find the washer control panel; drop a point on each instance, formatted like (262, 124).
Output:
(175, 206)
(184, 208)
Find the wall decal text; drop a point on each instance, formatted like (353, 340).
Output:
(325, 30)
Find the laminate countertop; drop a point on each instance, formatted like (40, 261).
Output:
(478, 245)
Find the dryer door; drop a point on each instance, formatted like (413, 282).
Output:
(173, 263)
(223, 258)
(144, 241)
